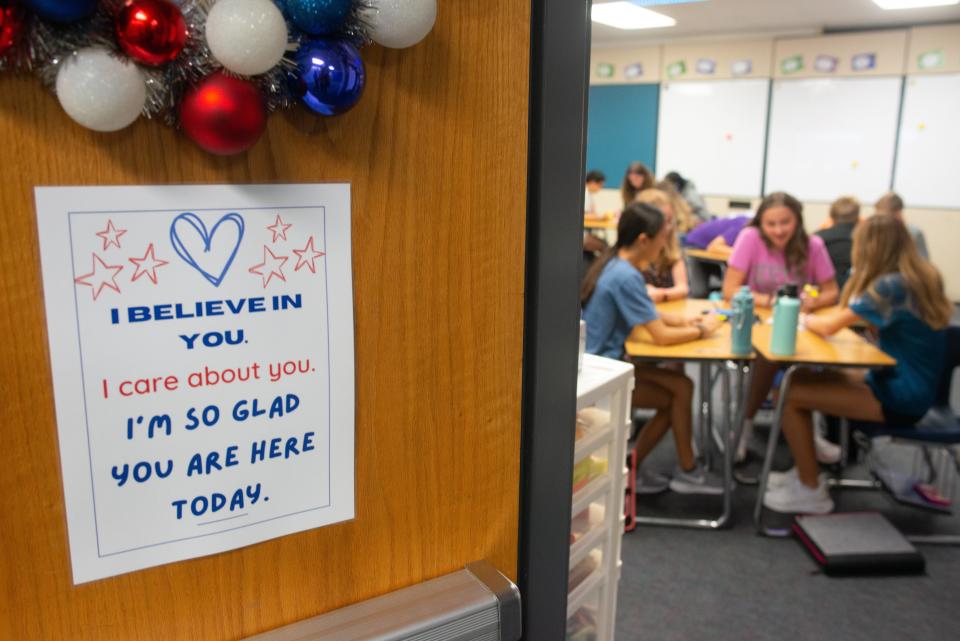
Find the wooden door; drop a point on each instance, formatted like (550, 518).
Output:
(436, 154)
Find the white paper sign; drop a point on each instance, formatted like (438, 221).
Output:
(201, 340)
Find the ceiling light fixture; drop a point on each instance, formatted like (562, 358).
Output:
(895, 5)
(654, 3)
(626, 15)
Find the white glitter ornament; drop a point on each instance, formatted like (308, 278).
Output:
(99, 91)
(247, 37)
(401, 23)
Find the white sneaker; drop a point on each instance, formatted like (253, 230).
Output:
(827, 452)
(779, 479)
(651, 482)
(795, 497)
(741, 455)
(696, 481)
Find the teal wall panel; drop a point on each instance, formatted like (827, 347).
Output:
(622, 128)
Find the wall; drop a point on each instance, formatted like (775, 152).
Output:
(896, 52)
(934, 49)
(718, 61)
(797, 57)
(625, 66)
(610, 147)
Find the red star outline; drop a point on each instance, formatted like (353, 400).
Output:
(309, 262)
(111, 283)
(150, 273)
(279, 229)
(275, 270)
(111, 235)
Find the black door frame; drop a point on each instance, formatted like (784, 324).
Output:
(559, 76)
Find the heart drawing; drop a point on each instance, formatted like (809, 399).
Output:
(206, 251)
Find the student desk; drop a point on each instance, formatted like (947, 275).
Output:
(844, 349)
(599, 223)
(709, 351)
(706, 256)
(602, 225)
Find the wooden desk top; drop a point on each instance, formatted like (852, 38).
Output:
(600, 223)
(844, 349)
(703, 254)
(765, 313)
(712, 348)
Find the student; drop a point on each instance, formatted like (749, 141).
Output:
(616, 304)
(595, 182)
(892, 204)
(900, 293)
(718, 235)
(592, 244)
(689, 192)
(636, 179)
(838, 237)
(665, 275)
(683, 217)
(773, 251)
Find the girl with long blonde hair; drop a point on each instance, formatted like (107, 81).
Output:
(901, 294)
(666, 275)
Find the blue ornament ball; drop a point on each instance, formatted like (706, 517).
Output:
(319, 17)
(330, 75)
(62, 11)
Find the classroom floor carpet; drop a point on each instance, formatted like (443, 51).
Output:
(732, 585)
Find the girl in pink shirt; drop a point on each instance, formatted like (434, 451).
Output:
(772, 251)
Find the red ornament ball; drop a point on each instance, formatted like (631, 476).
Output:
(151, 32)
(11, 24)
(223, 114)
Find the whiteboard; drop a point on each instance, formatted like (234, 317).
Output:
(832, 137)
(712, 133)
(929, 142)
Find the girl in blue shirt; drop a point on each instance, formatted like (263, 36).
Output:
(892, 288)
(616, 304)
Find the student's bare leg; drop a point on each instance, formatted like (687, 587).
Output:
(839, 393)
(764, 372)
(671, 393)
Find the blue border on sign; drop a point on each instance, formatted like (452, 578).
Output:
(86, 419)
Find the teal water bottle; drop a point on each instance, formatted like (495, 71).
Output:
(786, 317)
(741, 324)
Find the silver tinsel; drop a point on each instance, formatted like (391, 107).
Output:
(47, 45)
(357, 29)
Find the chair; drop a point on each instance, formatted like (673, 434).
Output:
(940, 427)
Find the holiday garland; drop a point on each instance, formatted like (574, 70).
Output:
(213, 68)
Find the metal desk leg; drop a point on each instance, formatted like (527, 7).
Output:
(768, 459)
(732, 432)
(727, 450)
(704, 421)
(844, 442)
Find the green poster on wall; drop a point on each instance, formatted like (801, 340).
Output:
(792, 64)
(604, 70)
(930, 59)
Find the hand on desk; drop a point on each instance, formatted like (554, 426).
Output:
(710, 323)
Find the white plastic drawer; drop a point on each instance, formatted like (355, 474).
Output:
(588, 520)
(592, 467)
(589, 563)
(582, 623)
